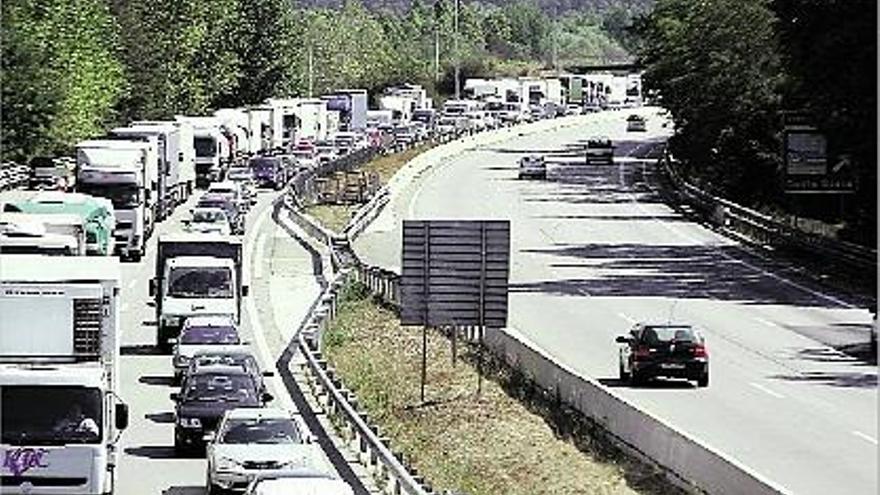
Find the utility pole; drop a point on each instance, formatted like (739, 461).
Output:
(457, 57)
(311, 71)
(436, 52)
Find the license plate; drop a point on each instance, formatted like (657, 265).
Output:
(672, 366)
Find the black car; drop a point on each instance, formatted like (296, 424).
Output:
(237, 358)
(204, 397)
(269, 171)
(667, 350)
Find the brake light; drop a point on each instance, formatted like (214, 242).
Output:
(641, 352)
(700, 351)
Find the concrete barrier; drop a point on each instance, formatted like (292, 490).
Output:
(687, 458)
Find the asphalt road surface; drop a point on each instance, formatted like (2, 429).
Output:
(594, 250)
(278, 269)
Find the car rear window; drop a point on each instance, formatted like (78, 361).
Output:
(209, 335)
(657, 335)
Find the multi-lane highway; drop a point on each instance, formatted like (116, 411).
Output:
(595, 250)
(283, 287)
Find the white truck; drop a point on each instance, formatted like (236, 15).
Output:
(126, 173)
(60, 408)
(212, 150)
(170, 158)
(186, 167)
(196, 275)
(51, 234)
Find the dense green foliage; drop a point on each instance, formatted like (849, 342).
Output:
(60, 77)
(727, 70)
(72, 68)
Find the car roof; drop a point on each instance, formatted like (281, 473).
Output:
(300, 483)
(219, 370)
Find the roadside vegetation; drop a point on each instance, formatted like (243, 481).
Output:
(748, 62)
(74, 68)
(507, 440)
(336, 216)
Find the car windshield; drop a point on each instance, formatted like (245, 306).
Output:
(50, 415)
(208, 216)
(123, 196)
(212, 387)
(261, 430)
(206, 282)
(209, 335)
(660, 335)
(206, 147)
(236, 360)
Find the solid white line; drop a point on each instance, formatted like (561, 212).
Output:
(766, 322)
(257, 327)
(767, 390)
(865, 437)
(258, 258)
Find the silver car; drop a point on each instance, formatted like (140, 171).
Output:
(252, 442)
(203, 333)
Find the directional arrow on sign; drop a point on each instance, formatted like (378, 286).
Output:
(844, 162)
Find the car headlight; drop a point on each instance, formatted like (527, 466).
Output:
(189, 422)
(227, 464)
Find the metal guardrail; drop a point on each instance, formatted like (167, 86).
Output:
(766, 232)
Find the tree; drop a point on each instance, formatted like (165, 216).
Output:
(60, 77)
(715, 67)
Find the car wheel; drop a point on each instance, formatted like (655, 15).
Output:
(703, 381)
(636, 379)
(215, 490)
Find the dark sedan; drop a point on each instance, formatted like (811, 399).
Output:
(203, 399)
(669, 351)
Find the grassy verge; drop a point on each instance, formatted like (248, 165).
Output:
(335, 217)
(504, 441)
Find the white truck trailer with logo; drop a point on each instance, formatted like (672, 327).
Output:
(126, 173)
(60, 410)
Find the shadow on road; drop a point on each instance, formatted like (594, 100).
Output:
(141, 350)
(653, 384)
(185, 490)
(165, 381)
(152, 451)
(163, 417)
(834, 379)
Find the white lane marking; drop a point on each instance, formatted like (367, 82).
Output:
(767, 390)
(865, 437)
(766, 322)
(258, 258)
(257, 327)
(133, 282)
(627, 317)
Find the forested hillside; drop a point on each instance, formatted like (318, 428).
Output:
(73, 67)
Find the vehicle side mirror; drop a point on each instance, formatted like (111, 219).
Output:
(245, 290)
(174, 396)
(622, 339)
(121, 416)
(152, 288)
(267, 397)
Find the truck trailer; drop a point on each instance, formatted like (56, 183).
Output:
(60, 410)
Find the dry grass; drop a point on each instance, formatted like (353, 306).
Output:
(494, 444)
(333, 217)
(336, 217)
(386, 166)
